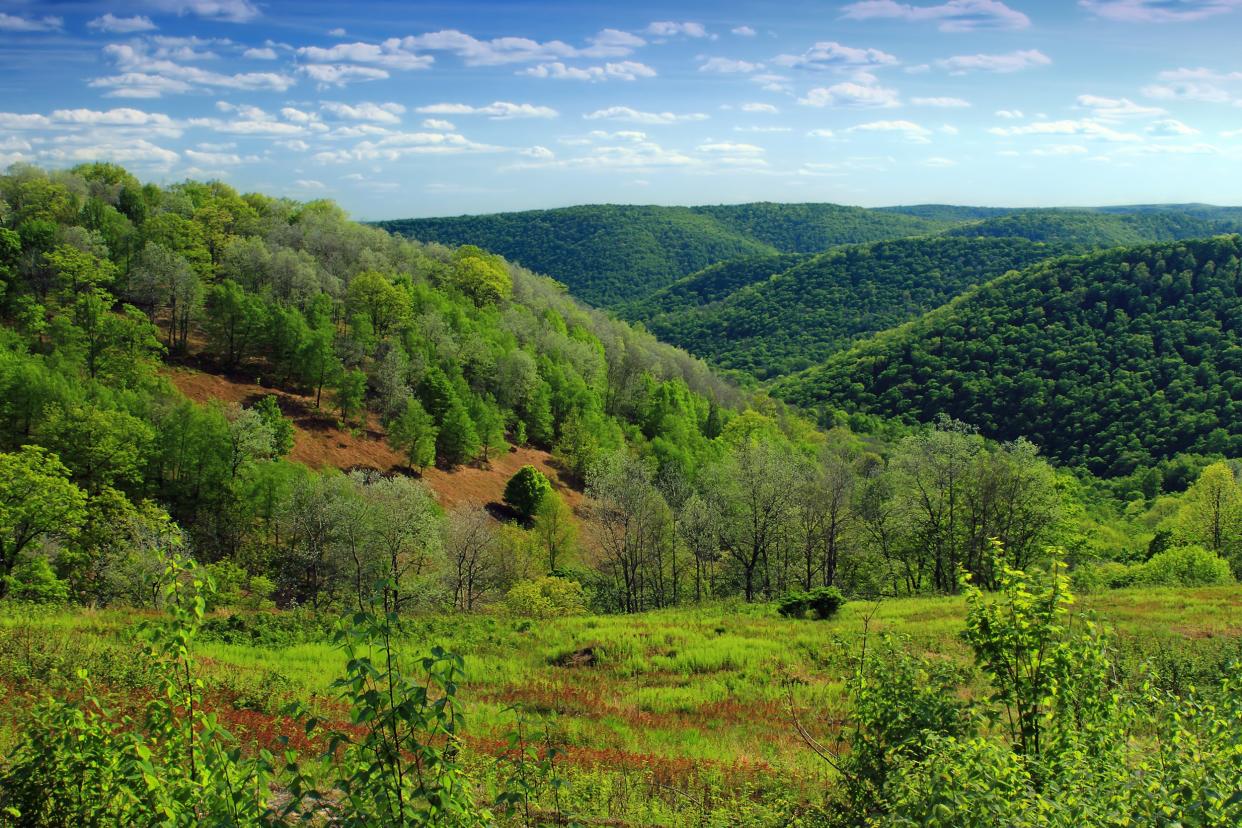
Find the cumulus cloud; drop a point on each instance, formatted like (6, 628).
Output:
(229, 11)
(626, 70)
(625, 113)
(121, 25)
(729, 66)
(327, 74)
(953, 16)
(828, 54)
(852, 94)
(727, 148)
(1159, 11)
(385, 113)
(743, 31)
(538, 152)
(759, 107)
(1009, 114)
(390, 54)
(943, 103)
(1170, 128)
(498, 110)
(1112, 109)
(1201, 84)
(147, 73)
(265, 53)
(608, 43)
(15, 23)
(1010, 62)
(670, 28)
(937, 162)
(438, 123)
(908, 129)
(1084, 127)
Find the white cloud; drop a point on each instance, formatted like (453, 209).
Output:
(229, 11)
(1010, 114)
(1170, 128)
(772, 83)
(474, 52)
(936, 162)
(943, 103)
(1201, 84)
(828, 54)
(627, 70)
(436, 123)
(1112, 109)
(537, 152)
(265, 53)
(726, 148)
(952, 16)
(134, 151)
(851, 94)
(397, 145)
(625, 113)
(729, 66)
(147, 75)
(1159, 11)
(1085, 127)
(328, 74)
(308, 184)
(219, 159)
(762, 129)
(669, 28)
(625, 150)
(14, 23)
(385, 113)
(121, 25)
(822, 133)
(743, 31)
(759, 107)
(1011, 62)
(1168, 149)
(390, 54)
(498, 110)
(908, 129)
(1060, 150)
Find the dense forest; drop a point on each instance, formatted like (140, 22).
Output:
(611, 253)
(776, 322)
(1101, 228)
(1110, 361)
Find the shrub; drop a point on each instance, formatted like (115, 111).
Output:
(1184, 566)
(793, 605)
(825, 601)
(1104, 575)
(547, 597)
(526, 490)
(34, 581)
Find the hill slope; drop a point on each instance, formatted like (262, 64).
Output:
(610, 253)
(779, 322)
(1099, 228)
(1110, 360)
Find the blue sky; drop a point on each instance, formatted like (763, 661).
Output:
(435, 108)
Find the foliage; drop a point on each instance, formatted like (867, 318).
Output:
(526, 491)
(1184, 566)
(547, 597)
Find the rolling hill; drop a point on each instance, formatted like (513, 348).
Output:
(751, 316)
(609, 254)
(1109, 360)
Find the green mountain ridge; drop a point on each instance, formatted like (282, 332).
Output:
(1109, 360)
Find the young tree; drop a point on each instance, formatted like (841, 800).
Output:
(350, 394)
(37, 500)
(414, 433)
(318, 364)
(235, 321)
(633, 522)
(526, 490)
(1211, 513)
(457, 442)
(556, 530)
(471, 545)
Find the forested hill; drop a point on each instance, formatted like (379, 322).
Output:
(1110, 360)
(776, 322)
(1112, 228)
(608, 254)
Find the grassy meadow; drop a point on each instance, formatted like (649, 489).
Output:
(680, 717)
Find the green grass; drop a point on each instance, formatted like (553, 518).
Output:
(693, 692)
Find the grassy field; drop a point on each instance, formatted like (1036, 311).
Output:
(683, 718)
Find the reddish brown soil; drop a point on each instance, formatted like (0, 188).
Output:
(319, 442)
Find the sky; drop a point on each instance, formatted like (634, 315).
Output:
(399, 109)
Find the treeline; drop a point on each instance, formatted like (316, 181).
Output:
(1096, 229)
(1112, 361)
(779, 322)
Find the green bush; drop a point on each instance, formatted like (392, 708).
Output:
(526, 490)
(1184, 566)
(793, 605)
(1102, 576)
(825, 601)
(547, 597)
(33, 580)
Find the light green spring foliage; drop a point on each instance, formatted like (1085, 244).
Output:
(547, 597)
(526, 491)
